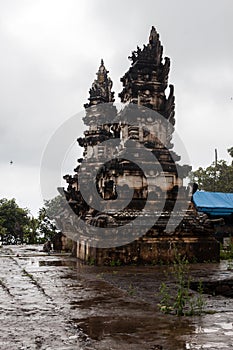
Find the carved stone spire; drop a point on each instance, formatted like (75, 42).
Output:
(152, 52)
(154, 36)
(100, 91)
(147, 79)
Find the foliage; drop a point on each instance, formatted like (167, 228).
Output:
(47, 226)
(47, 215)
(17, 226)
(230, 151)
(54, 206)
(165, 303)
(131, 290)
(91, 261)
(114, 263)
(214, 178)
(180, 271)
(199, 300)
(180, 302)
(14, 222)
(31, 236)
(226, 254)
(217, 177)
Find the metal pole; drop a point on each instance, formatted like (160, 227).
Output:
(215, 168)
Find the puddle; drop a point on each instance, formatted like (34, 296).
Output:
(210, 346)
(222, 287)
(99, 327)
(51, 263)
(225, 325)
(142, 331)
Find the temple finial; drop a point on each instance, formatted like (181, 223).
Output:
(156, 70)
(154, 36)
(100, 91)
(102, 73)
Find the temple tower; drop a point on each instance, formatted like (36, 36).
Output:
(143, 127)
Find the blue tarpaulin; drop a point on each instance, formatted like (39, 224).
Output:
(214, 203)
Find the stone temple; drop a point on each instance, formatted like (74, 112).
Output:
(127, 191)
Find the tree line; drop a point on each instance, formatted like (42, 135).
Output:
(18, 226)
(217, 177)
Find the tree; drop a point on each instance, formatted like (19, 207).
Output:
(230, 151)
(14, 221)
(55, 205)
(47, 227)
(217, 177)
(31, 235)
(47, 214)
(17, 226)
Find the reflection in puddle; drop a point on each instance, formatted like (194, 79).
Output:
(143, 328)
(48, 261)
(230, 334)
(211, 346)
(209, 330)
(99, 327)
(51, 263)
(225, 325)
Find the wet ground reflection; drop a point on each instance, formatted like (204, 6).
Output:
(64, 304)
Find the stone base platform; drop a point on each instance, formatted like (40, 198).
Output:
(151, 250)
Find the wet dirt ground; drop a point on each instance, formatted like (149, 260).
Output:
(55, 302)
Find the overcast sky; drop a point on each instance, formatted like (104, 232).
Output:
(51, 50)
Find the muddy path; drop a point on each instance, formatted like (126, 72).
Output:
(55, 302)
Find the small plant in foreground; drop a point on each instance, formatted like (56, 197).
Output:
(131, 290)
(91, 261)
(227, 253)
(165, 303)
(114, 263)
(180, 273)
(230, 264)
(180, 301)
(200, 303)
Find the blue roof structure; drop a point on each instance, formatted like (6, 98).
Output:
(214, 203)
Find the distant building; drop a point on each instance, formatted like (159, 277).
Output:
(217, 205)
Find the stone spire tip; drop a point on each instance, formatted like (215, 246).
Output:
(154, 36)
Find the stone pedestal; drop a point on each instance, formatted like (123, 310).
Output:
(152, 251)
